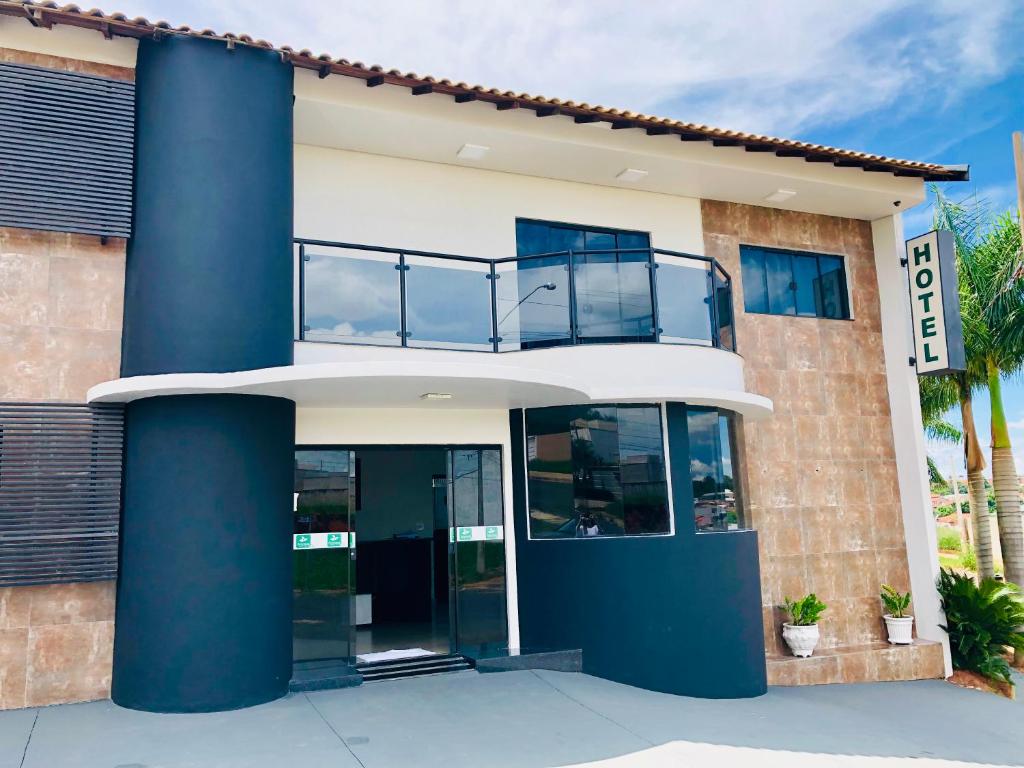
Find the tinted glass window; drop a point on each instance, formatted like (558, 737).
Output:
(791, 283)
(716, 497)
(596, 471)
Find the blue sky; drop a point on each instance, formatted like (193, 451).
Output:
(934, 80)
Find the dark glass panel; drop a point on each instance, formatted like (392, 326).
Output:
(805, 275)
(613, 300)
(779, 270)
(755, 292)
(633, 240)
(684, 311)
(596, 471)
(564, 239)
(352, 297)
(723, 295)
(478, 567)
(599, 241)
(448, 304)
(533, 303)
(322, 587)
(711, 437)
(531, 237)
(550, 473)
(833, 288)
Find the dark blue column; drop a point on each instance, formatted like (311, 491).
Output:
(204, 594)
(208, 283)
(204, 587)
(679, 614)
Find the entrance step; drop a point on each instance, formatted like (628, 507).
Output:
(323, 676)
(414, 667)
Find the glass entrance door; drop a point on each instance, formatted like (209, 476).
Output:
(476, 563)
(323, 550)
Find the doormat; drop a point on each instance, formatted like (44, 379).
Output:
(404, 653)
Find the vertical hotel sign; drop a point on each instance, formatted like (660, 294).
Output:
(935, 304)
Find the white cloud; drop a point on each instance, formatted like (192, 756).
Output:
(779, 67)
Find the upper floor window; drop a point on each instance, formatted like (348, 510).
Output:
(612, 281)
(596, 470)
(778, 282)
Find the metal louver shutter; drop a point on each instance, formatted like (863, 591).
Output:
(66, 142)
(60, 492)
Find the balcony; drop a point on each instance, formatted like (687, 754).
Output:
(371, 295)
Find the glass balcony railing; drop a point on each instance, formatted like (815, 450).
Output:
(361, 294)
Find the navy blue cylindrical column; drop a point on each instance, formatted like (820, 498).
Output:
(204, 587)
(208, 282)
(204, 594)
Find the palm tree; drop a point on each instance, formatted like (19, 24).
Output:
(991, 278)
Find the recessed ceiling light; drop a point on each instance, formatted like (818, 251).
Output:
(780, 195)
(472, 152)
(631, 174)
(436, 396)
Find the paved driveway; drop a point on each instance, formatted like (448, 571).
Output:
(534, 719)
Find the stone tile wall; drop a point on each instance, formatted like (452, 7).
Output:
(821, 474)
(56, 643)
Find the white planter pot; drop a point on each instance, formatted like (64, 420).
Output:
(901, 631)
(801, 640)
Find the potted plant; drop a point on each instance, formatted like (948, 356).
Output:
(899, 625)
(801, 631)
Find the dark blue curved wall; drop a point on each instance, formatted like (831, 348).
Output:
(679, 614)
(205, 579)
(205, 587)
(208, 283)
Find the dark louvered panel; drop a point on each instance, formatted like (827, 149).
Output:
(60, 492)
(65, 151)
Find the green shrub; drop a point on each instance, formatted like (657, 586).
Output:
(805, 611)
(896, 604)
(969, 559)
(982, 621)
(949, 538)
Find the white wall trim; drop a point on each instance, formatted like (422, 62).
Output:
(907, 430)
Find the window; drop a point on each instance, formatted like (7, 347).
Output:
(793, 283)
(717, 502)
(596, 471)
(613, 289)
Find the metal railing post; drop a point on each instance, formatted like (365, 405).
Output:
(493, 277)
(573, 318)
(402, 268)
(302, 291)
(652, 267)
(716, 340)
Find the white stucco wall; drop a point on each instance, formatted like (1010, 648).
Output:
(375, 200)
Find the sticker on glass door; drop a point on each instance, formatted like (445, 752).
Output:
(323, 540)
(477, 533)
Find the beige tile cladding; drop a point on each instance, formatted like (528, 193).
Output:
(821, 472)
(56, 643)
(61, 299)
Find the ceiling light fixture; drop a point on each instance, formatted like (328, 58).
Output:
(472, 152)
(436, 396)
(780, 195)
(631, 174)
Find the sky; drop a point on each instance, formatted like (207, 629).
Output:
(932, 80)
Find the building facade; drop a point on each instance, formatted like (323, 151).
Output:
(318, 372)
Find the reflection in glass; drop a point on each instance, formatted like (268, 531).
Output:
(478, 566)
(805, 278)
(322, 587)
(596, 471)
(755, 289)
(613, 297)
(533, 303)
(717, 502)
(833, 294)
(723, 295)
(684, 311)
(352, 297)
(448, 303)
(779, 269)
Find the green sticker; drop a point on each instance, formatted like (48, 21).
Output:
(303, 541)
(465, 534)
(334, 540)
(491, 532)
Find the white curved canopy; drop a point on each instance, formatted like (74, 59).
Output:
(333, 375)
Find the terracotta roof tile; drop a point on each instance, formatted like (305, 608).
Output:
(47, 13)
